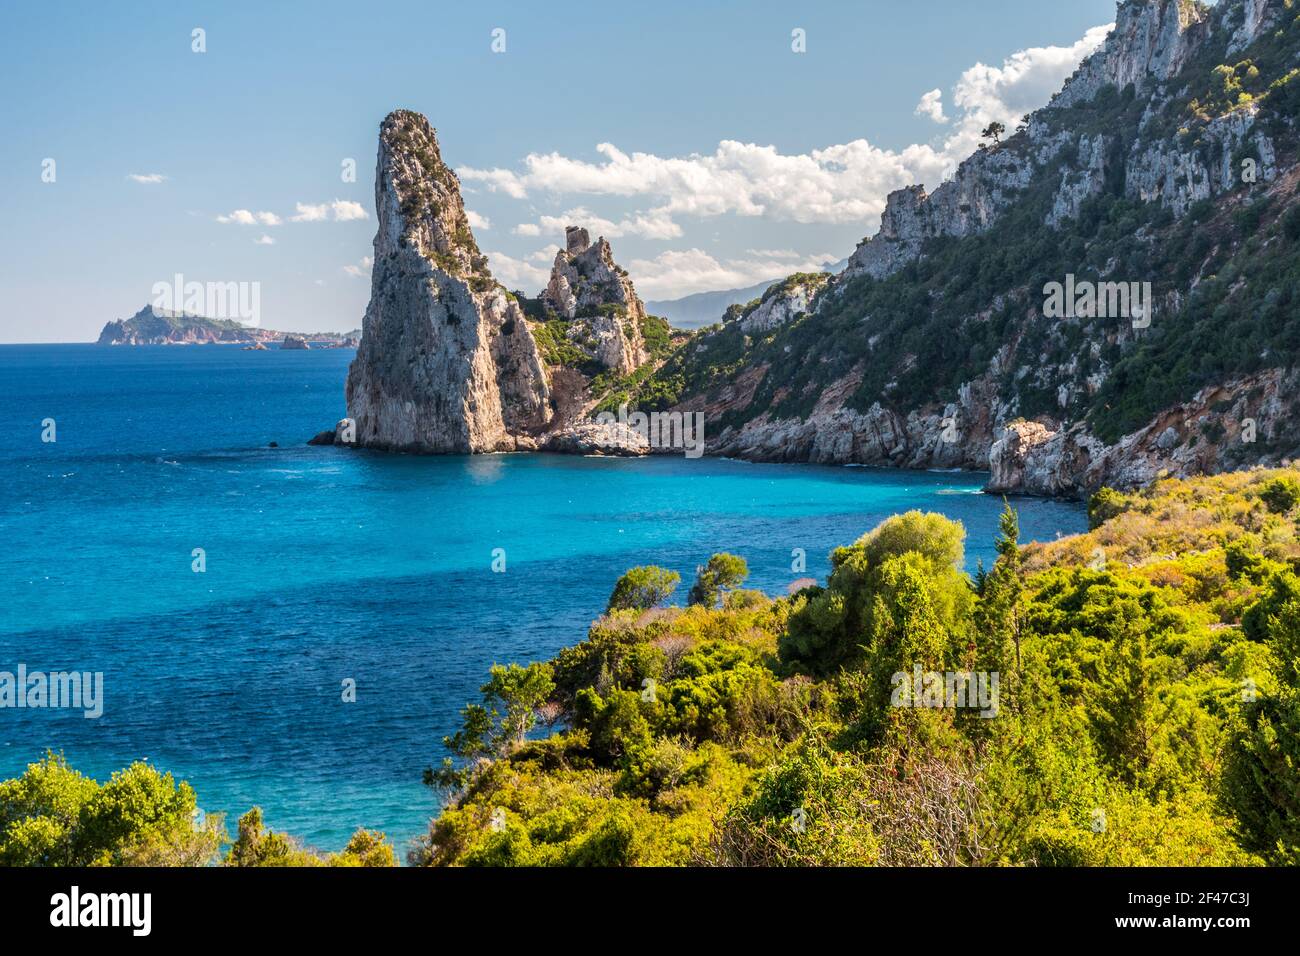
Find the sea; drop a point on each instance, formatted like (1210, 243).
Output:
(297, 627)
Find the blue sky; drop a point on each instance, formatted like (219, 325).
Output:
(728, 158)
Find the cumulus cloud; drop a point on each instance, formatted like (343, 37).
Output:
(680, 272)
(146, 178)
(360, 271)
(476, 221)
(265, 240)
(519, 273)
(842, 183)
(1024, 82)
(340, 210)
(246, 217)
(931, 105)
(545, 254)
(774, 253)
(652, 225)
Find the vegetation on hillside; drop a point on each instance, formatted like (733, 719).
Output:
(1224, 277)
(1147, 713)
(54, 816)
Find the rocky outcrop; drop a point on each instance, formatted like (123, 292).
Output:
(1143, 119)
(1257, 16)
(588, 287)
(596, 438)
(1243, 422)
(446, 362)
(954, 435)
(1010, 454)
(781, 303)
(1082, 180)
(969, 203)
(1178, 174)
(294, 342)
(1151, 42)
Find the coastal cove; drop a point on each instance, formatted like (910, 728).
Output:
(326, 564)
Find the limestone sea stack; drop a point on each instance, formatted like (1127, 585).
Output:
(446, 362)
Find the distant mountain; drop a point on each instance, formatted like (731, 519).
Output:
(705, 308)
(153, 326)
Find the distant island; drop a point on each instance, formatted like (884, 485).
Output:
(154, 326)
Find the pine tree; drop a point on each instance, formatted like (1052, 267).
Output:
(998, 615)
(1262, 777)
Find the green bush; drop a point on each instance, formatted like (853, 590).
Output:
(642, 588)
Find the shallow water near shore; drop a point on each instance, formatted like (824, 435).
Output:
(324, 564)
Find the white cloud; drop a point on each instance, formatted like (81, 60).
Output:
(545, 254)
(340, 210)
(264, 241)
(308, 213)
(360, 271)
(245, 217)
(498, 180)
(774, 253)
(476, 221)
(836, 184)
(146, 178)
(680, 272)
(842, 183)
(518, 273)
(1024, 82)
(655, 224)
(346, 210)
(931, 105)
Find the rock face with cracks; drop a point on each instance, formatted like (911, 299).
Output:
(1182, 124)
(446, 362)
(588, 287)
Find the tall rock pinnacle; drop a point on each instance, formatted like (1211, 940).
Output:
(446, 363)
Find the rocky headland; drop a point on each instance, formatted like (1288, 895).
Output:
(1166, 162)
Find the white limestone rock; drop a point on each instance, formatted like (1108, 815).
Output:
(588, 287)
(446, 362)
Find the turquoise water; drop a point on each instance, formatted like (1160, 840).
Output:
(324, 564)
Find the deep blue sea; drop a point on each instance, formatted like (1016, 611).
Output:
(324, 564)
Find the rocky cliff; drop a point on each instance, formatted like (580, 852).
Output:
(447, 362)
(589, 288)
(1152, 43)
(1166, 167)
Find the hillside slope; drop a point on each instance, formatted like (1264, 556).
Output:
(1165, 169)
(1138, 704)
